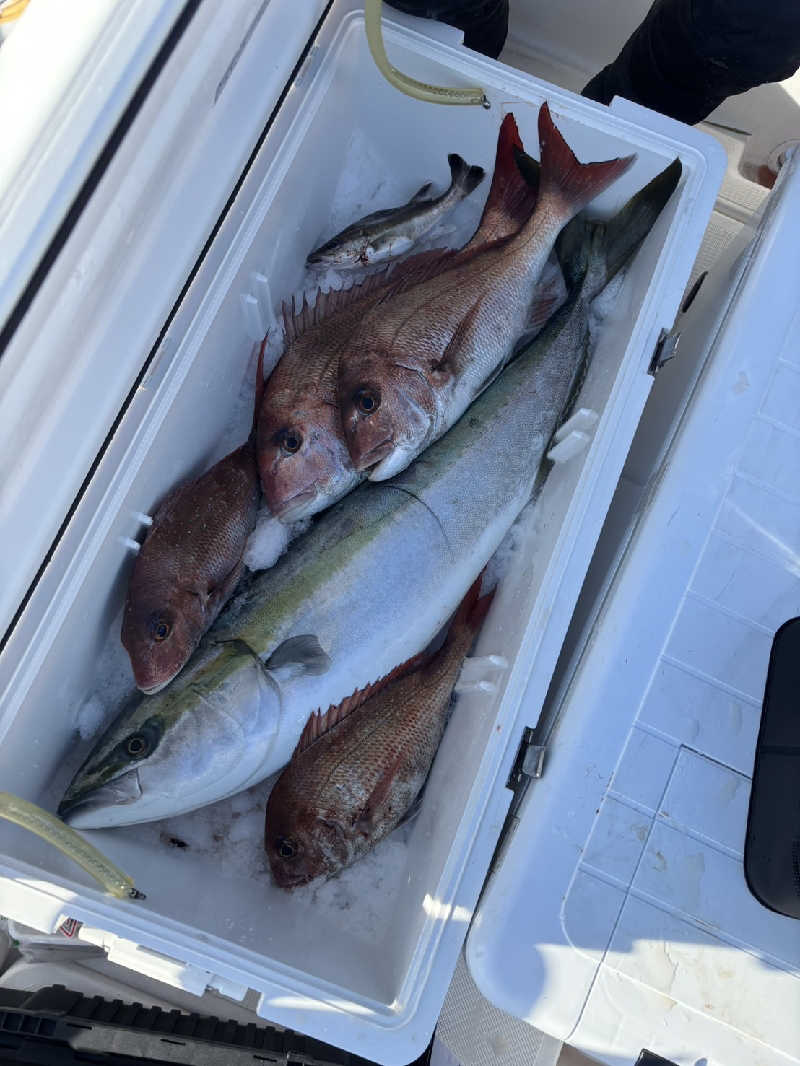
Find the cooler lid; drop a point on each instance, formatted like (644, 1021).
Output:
(56, 126)
(116, 169)
(618, 917)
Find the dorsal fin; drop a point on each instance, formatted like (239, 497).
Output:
(390, 281)
(321, 722)
(328, 302)
(417, 269)
(421, 194)
(260, 384)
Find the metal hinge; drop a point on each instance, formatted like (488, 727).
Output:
(665, 349)
(528, 765)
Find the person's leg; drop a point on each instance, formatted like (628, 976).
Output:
(688, 56)
(484, 22)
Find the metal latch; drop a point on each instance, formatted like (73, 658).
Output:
(665, 349)
(669, 339)
(528, 765)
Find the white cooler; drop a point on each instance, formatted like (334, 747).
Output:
(130, 320)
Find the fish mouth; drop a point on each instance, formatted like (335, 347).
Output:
(326, 254)
(290, 508)
(151, 690)
(288, 882)
(80, 810)
(375, 455)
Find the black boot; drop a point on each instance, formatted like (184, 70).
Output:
(690, 55)
(484, 22)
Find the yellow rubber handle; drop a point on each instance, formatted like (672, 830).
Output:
(12, 10)
(58, 833)
(420, 90)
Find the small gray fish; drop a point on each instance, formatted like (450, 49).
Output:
(385, 235)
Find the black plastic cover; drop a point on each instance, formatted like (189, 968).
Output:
(649, 1058)
(57, 1027)
(772, 845)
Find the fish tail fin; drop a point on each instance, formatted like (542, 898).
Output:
(464, 177)
(512, 197)
(572, 249)
(628, 228)
(260, 385)
(571, 185)
(619, 238)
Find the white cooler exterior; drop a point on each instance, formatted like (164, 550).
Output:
(619, 918)
(93, 323)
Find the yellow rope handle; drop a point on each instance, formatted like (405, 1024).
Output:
(12, 10)
(58, 833)
(432, 94)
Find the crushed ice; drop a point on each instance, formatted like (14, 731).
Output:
(270, 539)
(605, 305)
(90, 716)
(230, 835)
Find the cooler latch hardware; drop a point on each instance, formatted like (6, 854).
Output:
(528, 765)
(665, 349)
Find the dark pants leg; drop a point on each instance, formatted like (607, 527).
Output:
(484, 22)
(690, 55)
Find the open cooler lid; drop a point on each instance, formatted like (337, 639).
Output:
(95, 60)
(618, 917)
(113, 177)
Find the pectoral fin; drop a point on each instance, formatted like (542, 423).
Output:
(297, 656)
(459, 347)
(387, 247)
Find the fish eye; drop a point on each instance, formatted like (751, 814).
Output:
(286, 848)
(160, 629)
(367, 400)
(136, 745)
(290, 440)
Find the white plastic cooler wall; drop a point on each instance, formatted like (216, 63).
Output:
(375, 991)
(646, 933)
